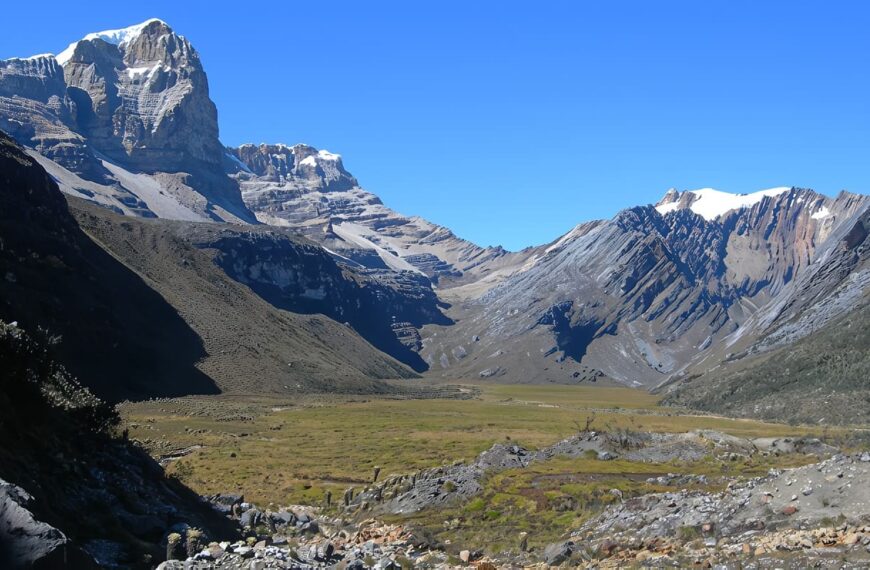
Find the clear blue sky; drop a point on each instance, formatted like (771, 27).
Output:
(510, 122)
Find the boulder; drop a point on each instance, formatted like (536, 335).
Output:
(557, 553)
(26, 542)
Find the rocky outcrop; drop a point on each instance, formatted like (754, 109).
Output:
(787, 511)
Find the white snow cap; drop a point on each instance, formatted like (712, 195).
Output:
(710, 203)
(117, 37)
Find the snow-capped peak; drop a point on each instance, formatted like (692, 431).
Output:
(710, 203)
(117, 37)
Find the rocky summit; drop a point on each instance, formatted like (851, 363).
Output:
(220, 356)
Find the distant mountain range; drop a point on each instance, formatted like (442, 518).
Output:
(250, 243)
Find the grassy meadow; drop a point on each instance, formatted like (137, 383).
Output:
(285, 451)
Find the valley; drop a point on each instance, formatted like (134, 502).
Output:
(237, 356)
(286, 456)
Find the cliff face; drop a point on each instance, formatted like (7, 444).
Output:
(124, 118)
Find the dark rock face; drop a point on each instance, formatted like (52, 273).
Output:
(83, 489)
(300, 277)
(28, 543)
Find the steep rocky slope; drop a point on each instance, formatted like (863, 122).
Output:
(140, 296)
(123, 117)
(71, 494)
(647, 295)
(302, 187)
(811, 363)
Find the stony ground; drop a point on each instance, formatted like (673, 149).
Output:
(817, 515)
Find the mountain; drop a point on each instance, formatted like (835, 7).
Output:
(145, 308)
(309, 189)
(653, 293)
(124, 118)
(69, 486)
(810, 363)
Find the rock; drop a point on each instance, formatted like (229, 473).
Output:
(251, 518)
(325, 551)
(789, 510)
(465, 556)
(851, 538)
(388, 564)
(606, 456)
(215, 551)
(557, 553)
(28, 543)
(607, 547)
(244, 551)
(143, 526)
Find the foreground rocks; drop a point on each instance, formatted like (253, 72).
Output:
(806, 514)
(817, 514)
(301, 537)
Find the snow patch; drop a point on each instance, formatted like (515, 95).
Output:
(238, 162)
(355, 233)
(821, 214)
(308, 161)
(31, 57)
(132, 72)
(326, 155)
